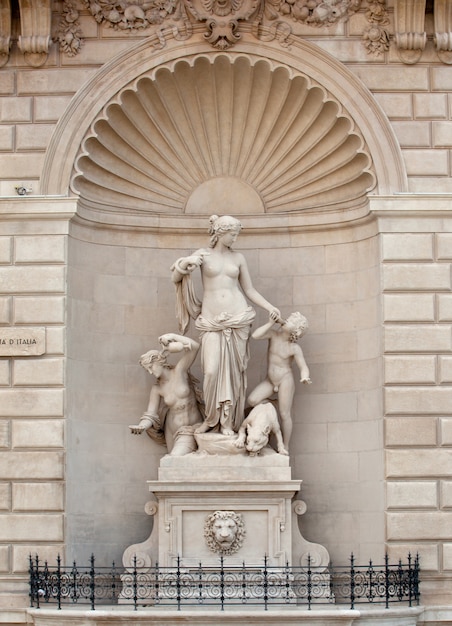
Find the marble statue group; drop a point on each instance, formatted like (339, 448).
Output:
(188, 417)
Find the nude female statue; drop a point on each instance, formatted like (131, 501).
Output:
(173, 410)
(224, 319)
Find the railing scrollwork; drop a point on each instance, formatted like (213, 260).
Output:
(224, 585)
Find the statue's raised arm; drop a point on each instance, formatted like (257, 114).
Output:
(282, 352)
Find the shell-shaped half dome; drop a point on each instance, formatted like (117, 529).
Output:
(224, 133)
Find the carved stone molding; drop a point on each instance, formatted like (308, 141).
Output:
(410, 35)
(316, 13)
(35, 21)
(132, 16)
(202, 131)
(144, 554)
(5, 31)
(125, 72)
(306, 552)
(223, 19)
(443, 30)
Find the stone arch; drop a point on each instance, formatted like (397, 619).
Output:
(364, 147)
(196, 131)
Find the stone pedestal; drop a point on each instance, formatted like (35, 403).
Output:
(256, 493)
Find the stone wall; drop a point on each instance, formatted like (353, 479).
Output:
(33, 279)
(393, 273)
(415, 98)
(416, 252)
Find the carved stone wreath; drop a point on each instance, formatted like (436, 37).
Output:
(224, 532)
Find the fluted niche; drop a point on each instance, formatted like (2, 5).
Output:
(217, 127)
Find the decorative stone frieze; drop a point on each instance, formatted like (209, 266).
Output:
(313, 12)
(268, 19)
(131, 16)
(223, 19)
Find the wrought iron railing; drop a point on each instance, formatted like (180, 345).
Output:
(223, 586)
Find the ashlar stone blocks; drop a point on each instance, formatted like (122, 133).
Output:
(37, 433)
(40, 249)
(416, 276)
(37, 497)
(418, 400)
(414, 431)
(33, 270)
(411, 369)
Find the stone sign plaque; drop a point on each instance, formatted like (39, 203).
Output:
(16, 341)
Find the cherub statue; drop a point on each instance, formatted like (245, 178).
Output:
(282, 351)
(174, 408)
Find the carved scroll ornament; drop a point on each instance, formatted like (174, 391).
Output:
(410, 35)
(34, 41)
(5, 31)
(34, 38)
(443, 30)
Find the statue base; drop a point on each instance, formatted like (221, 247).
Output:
(234, 507)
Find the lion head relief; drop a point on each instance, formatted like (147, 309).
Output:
(224, 532)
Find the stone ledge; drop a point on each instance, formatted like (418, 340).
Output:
(437, 615)
(11, 617)
(274, 616)
(222, 467)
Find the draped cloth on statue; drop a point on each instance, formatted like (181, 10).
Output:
(224, 384)
(187, 303)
